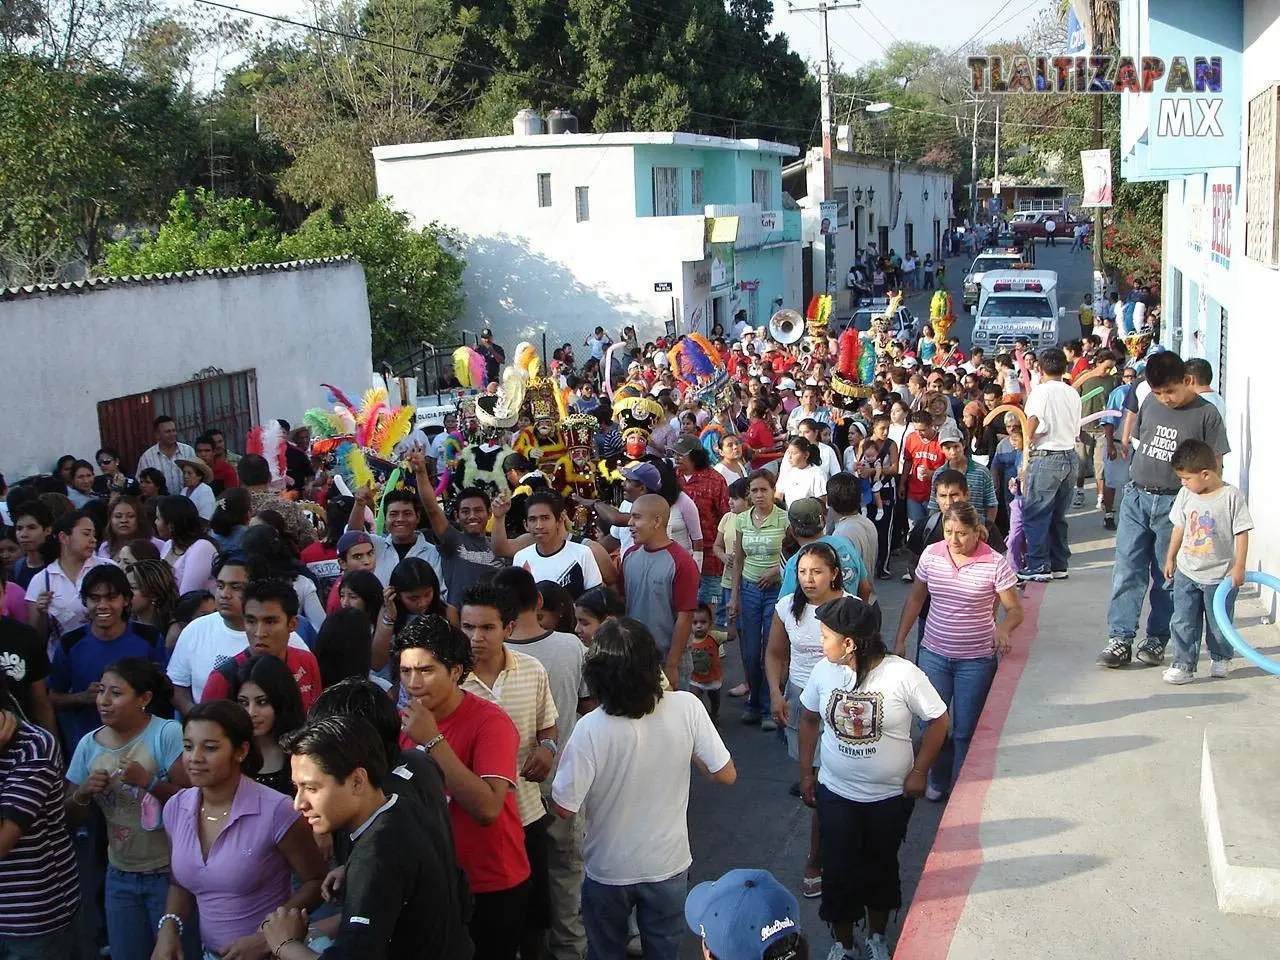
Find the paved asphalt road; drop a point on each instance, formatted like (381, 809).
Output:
(756, 822)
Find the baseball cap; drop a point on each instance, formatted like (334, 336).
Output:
(808, 516)
(352, 538)
(742, 914)
(645, 473)
(685, 446)
(848, 616)
(786, 383)
(909, 362)
(486, 334)
(950, 433)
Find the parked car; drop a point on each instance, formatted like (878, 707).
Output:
(1034, 225)
(905, 324)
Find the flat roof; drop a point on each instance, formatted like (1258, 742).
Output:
(437, 148)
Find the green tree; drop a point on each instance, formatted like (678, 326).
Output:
(414, 277)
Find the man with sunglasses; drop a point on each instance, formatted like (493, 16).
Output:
(1115, 467)
(112, 480)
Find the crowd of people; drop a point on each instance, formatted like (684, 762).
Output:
(252, 709)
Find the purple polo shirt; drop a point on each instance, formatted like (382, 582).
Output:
(245, 876)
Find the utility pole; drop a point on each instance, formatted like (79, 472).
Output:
(823, 9)
(973, 171)
(1099, 281)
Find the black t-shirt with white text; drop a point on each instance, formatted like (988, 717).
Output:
(23, 661)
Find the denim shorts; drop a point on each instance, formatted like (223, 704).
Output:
(709, 589)
(793, 726)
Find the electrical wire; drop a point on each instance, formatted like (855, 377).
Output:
(892, 36)
(952, 116)
(1003, 7)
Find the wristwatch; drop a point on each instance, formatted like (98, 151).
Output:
(550, 745)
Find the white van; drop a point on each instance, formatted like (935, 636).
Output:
(1016, 305)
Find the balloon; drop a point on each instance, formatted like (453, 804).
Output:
(1228, 629)
(1095, 392)
(1100, 415)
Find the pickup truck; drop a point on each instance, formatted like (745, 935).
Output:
(1018, 305)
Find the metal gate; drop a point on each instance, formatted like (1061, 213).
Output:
(212, 399)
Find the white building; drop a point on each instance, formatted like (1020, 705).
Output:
(896, 205)
(565, 232)
(91, 364)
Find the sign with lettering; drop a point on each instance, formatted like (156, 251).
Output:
(770, 221)
(1220, 244)
(662, 288)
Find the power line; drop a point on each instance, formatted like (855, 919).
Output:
(1003, 7)
(952, 116)
(457, 61)
(891, 34)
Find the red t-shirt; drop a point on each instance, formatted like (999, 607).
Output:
(301, 663)
(920, 459)
(225, 473)
(315, 552)
(1077, 368)
(485, 739)
(758, 437)
(333, 601)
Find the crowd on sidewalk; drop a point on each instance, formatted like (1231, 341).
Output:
(257, 705)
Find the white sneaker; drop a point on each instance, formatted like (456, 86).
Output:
(1178, 675)
(837, 952)
(877, 948)
(635, 948)
(1220, 669)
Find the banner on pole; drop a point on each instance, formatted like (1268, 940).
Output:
(1095, 166)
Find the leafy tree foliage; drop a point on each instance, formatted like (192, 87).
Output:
(414, 277)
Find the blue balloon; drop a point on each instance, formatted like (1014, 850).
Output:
(1231, 633)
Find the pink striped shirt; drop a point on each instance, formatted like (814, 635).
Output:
(961, 621)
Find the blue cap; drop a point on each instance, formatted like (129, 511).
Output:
(740, 915)
(645, 473)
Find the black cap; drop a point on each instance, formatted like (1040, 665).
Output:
(486, 334)
(849, 617)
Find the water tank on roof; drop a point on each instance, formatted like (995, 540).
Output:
(528, 123)
(561, 121)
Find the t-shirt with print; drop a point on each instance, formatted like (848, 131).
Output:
(130, 846)
(466, 559)
(851, 565)
(79, 659)
(725, 530)
(861, 532)
(920, 458)
(1210, 523)
(301, 663)
(866, 732)
(761, 542)
(23, 661)
(1161, 430)
(707, 672)
(658, 585)
(573, 566)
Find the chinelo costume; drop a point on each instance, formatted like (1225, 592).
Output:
(541, 441)
(574, 475)
(480, 464)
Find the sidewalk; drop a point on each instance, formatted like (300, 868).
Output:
(1076, 829)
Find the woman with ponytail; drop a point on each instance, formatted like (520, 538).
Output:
(862, 700)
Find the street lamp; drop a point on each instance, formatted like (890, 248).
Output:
(926, 196)
(857, 195)
(871, 194)
(880, 107)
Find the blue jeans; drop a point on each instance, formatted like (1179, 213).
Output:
(659, 911)
(755, 616)
(1143, 532)
(963, 686)
(1192, 617)
(917, 511)
(1051, 479)
(62, 944)
(134, 905)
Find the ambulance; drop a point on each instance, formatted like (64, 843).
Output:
(1018, 305)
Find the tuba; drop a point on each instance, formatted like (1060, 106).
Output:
(786, 326)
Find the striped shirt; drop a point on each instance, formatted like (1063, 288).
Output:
(39, 889)
(961, 624)
(523, 692)
(982, 489)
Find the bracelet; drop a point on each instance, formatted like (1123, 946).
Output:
(387, 622)
(284, 943)
(432, 743)
(175, 918)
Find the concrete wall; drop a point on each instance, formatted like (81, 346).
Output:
(297, 328)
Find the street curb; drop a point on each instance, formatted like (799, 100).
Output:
(956, 857)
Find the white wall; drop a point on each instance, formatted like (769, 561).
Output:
(297, 328)
(532, 268)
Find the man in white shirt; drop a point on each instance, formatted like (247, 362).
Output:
(599, 342)
(207, 641)
(740, 325)
(1053, 421)
(403, 539)
(627, 769)
(553, 556)
(165, 453)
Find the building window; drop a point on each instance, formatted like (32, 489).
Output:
(544, 189)
(1262, 229)
(666, 192)
(695, 187)
(841, 196)
(762, 187)
(581, 205)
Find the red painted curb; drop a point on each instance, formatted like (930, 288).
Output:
(956, 857)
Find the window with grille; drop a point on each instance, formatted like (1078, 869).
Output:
(1221, 373)
(544, 189)
(695, 187)
(581, 204)
(666, 192)
(841, 196)
(762, 187)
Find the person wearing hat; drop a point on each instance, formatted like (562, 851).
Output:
(356, 551)
(955, 456)
(746, 915)
(196, 480)
(787, 391)
(862, 701)
(494, 355)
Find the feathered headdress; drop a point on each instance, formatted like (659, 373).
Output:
(268, 441)
(527, 360)
(469, 368)
(845, 378)
(698, 363)
(501, 410)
